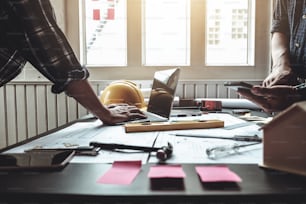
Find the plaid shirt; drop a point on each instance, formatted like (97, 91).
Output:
(289, 17)
(28, 32)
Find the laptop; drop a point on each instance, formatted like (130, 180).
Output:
(161, 96)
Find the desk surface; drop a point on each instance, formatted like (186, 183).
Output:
(77, 183)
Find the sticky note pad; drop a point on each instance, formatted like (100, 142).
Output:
(167, 177)
(216, 174)
(166, 171)
(121, 173)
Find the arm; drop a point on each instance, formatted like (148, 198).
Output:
(55, 59)
(82, 92)
(281, 71)
(280, 52)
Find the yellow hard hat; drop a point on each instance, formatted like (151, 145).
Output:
(122, 92)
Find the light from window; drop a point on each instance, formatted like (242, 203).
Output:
(106, 32)
(230, 36)
(165, 38)
(166, 32)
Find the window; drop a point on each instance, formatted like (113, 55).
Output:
(230, 32)
(166, 33)
(209, 39)
(105, 32)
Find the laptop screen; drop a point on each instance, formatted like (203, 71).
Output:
(163, 92)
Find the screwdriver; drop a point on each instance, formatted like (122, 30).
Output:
(226, 150)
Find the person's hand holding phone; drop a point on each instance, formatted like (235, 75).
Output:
(235, 85)
(271, 99)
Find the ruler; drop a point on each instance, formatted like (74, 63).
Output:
(172, 125)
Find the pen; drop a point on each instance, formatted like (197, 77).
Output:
(186, 121)
(244, 138)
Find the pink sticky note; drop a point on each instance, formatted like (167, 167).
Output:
(166, 171)
(122, 173)
(217, 174)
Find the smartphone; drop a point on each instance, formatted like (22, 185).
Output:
(238, 84)
(241, 111)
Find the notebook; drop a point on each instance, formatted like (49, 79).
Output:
(161, 96)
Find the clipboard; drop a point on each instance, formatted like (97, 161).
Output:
(172, 125)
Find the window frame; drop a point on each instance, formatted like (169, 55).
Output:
(197, 70)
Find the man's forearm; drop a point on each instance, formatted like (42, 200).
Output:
(82, 92)
(280, 51)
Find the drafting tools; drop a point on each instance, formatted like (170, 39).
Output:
(226, 150)
(162, 153)
(82, 150)
(173, 125)
(242, 138)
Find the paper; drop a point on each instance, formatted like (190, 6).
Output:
(121, 173)
(78, 134)
(217, 174)
(166, 171)
(82, 133)
(193, 149)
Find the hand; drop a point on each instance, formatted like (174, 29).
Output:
(122, 113)
(271, 99)
(280, 76)
(111, 115)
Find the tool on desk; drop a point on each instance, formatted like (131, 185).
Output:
(211, 105)
(173, 125)
(162, 153)
(226, 150)
(81, 150)
(244, 138)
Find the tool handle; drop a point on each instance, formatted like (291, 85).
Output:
(243, 138)
(113, 146)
